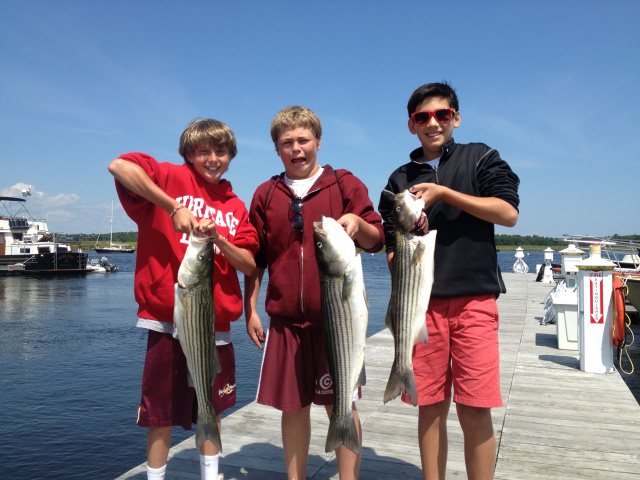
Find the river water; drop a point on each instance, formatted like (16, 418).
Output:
(71, 363)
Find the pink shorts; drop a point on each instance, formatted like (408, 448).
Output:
(167, 399)
(294, 372)
(463, 350)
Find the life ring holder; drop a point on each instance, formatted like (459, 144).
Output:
(621, 322)
(619, 330)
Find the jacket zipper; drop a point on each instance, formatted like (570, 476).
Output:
(302, 262)
(301, 278)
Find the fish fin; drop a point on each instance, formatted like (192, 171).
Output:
(342, 431)
(401, 381)
(357, 268)
(347, 286)
(388, 319)
(217, 366)
(418, 254)
(207, 429)
(364, 294)
(177, 310)
(362, 378)
(423, 335)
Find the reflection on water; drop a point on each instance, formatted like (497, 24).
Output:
(71, 363)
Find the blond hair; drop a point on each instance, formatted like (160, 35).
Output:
(209, 132)
(292, 117)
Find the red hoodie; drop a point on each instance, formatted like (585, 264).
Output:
(161, 249)
(293, 291)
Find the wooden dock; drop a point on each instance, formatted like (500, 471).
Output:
(557, 422)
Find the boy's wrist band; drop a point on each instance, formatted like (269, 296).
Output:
(175, 210)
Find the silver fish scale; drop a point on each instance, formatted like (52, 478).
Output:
(412, 278)
(194, 317)
(345, 326)
(338, 334)
(198, 339)
(407, 294)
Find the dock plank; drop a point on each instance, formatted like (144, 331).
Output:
(557, 422)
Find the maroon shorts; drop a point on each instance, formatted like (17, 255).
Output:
(294, 372)
(167, 399)
(463, 350)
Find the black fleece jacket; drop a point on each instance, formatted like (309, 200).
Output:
(465, 260)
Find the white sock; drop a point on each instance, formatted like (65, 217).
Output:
(156, 473)
(209, 467)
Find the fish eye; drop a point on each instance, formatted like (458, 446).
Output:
(319, 244)
(397, 209)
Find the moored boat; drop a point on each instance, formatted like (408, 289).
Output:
(113, 248)
(632, 282)
(27, 246)
(625, 254)
(101, 265)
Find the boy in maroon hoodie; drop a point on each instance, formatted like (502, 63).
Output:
(167, 202)
(283, 210)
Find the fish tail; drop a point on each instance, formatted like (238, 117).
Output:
(207, 429)
(401, 381)
(342, 431)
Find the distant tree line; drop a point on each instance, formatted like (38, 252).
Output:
(516, 240)
(625, 237)
(118, 237)
(501, 239)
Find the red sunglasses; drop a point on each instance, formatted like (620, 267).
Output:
(442, 116)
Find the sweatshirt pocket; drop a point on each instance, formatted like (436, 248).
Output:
(283, 289)
(159, 297)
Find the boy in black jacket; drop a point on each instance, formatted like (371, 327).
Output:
(466, 189)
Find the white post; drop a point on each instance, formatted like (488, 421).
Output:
(548, 258)
(570, 256)
(595, 322)
(519, 266)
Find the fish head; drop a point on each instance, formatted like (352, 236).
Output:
(197, 263)
(334, 248)
(409, 213)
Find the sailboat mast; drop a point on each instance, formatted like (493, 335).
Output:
(111, 224)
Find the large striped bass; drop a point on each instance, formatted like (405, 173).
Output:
(194, 320)
(411, 282)
(345, 317)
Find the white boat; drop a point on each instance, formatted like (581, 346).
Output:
(113, 247)
(27, 246)
(101, 265)
(625, 254)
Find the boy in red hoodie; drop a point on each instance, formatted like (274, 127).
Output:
(294, 373)
(167, 202)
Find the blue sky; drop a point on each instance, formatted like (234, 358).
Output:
(553, 85)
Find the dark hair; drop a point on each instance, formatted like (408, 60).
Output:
(432, 90)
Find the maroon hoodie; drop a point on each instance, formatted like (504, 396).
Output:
(293, 291)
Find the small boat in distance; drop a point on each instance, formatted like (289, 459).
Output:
(101, 265)
(113, 247)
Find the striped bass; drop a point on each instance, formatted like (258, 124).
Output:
(411, 282)
(194, 320)
(345, 317)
